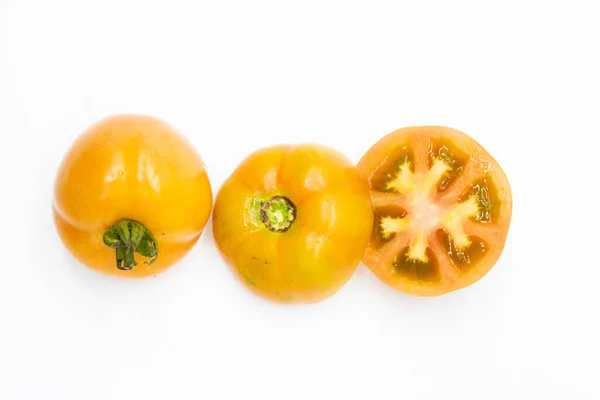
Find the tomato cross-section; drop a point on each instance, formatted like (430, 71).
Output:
(442, 210)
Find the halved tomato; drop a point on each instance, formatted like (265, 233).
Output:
(442, 210)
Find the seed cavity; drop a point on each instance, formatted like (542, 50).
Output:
(463, 258)
(453, 158)
(388, 170)
(423, 271)
(486, 196)
(390, 220)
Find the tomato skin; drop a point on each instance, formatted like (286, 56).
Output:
(320, 251)
(131, 167)
(480, 165)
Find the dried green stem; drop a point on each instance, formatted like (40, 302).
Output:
(128, 237)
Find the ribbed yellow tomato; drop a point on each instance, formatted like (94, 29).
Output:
(131, 184)
(293, 222)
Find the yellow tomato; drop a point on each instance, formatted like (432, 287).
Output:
(131, 184)
(443, 207)
(293, 222)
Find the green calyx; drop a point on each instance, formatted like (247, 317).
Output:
(278, 213)
(128, 237)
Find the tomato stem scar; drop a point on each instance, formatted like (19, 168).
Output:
(278, 213)
(128, 237)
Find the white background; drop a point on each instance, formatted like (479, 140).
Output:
(521, 77)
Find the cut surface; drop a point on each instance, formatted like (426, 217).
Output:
(432, 187)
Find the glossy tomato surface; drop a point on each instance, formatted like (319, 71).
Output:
(293, 222)
(442, 205)
(138, 170)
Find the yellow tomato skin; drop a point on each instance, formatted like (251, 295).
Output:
(131, 167)
(320, 251)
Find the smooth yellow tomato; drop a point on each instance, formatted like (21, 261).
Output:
(293, 222)
(442, 206)
(131, 187)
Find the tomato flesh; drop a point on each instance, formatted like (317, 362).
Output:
(442, 210)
